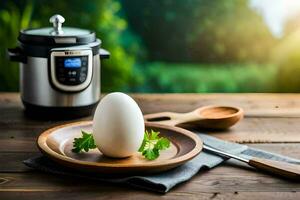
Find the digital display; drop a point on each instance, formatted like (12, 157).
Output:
(72, 63)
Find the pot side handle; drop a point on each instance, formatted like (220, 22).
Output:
(16, 55)
(104, 54)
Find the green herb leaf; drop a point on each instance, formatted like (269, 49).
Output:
(151, 154)
(86, 142)
(152, 144)
(162, 144)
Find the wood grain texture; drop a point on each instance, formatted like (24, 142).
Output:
(269, 118)
(262, 130)
(248, 130)
(12, 161)
(220, 179)
(255, 104)
(254, 128)
(18, 137)
(125, 195)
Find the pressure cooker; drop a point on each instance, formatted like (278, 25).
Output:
(59, 69)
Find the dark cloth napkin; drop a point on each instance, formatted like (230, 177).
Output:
(164, 181)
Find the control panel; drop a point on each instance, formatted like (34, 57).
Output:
(71, 70)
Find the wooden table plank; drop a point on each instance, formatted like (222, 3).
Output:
(17, 137)
(220, 179)
(252, 129)
(254, 104)
(12, 161)
(248, 130)
(99, 194)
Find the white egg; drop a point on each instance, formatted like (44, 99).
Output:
(118, 125)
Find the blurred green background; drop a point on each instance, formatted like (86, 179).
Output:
(174, 45)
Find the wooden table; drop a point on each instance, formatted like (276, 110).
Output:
(265, 113)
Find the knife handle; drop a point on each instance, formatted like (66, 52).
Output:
(284, 169)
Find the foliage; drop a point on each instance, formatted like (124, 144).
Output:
(200, 30)
(182, 77)
(287, 56)
(11, 21)
(289, 72)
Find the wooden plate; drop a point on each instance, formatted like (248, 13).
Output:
(57, 143)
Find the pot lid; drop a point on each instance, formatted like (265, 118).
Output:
(57, 34)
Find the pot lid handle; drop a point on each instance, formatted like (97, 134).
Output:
(57, 21)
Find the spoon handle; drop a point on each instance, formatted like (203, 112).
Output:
(169, 118)
(284, 169)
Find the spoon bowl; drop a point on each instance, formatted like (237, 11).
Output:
(207, 117)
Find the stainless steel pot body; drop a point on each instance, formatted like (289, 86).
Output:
(36, 87)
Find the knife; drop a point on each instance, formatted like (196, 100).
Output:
(284, 169)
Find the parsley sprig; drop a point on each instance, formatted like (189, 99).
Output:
(151, 146)
(86, 142)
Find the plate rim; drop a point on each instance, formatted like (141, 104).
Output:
(46, 150)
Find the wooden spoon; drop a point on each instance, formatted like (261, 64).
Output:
(211, 117)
